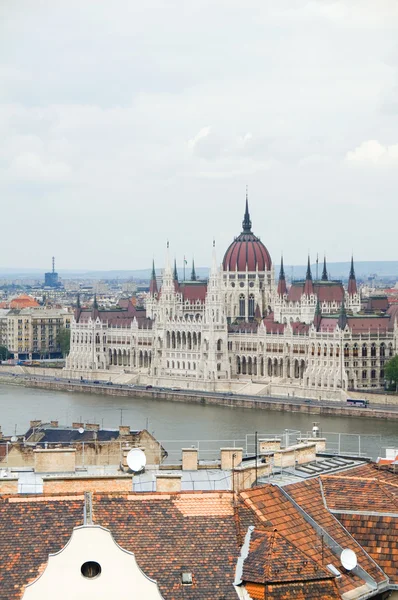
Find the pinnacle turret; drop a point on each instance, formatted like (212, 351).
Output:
(324, 272)
(282, 289)
(193, 272)
(153, 286)
(246, 223)
(352, 282)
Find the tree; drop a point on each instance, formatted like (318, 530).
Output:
(4, 354)
(391, 371)
(63, 341)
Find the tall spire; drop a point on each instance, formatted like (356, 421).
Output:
(78, 305)
(175, 273)
(153, 286)
(282, 289)
(352, 282)
(193, 272)
(308, 286)
(342, 321)
(324, 272)
(318, 315)
(246, 223)
(95, 303)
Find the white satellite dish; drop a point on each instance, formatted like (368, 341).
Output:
(81, 430)
(348, 559)
(136, 460)
(14, 438)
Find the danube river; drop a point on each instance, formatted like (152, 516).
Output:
(174, 422)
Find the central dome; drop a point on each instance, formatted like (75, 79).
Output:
(247, 251)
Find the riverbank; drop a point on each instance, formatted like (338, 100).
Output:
(295, 405)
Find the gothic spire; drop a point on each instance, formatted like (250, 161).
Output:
(153, 286)
(282, 289)
(352, 282)
(309, 274)
(308, 286)
(95, 303)
(78, 305)
(342, 321)
(175, 273)
(193, 272)
(246, 223)
(318, 314)
(324, 272)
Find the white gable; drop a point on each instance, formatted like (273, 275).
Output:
(120, 576)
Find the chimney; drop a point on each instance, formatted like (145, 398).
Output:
(189, 459)
(77, 425)
(54, 423)
(166, 482)
(92, 427)
(35, 423)
(124, 429)
(230, 458)
(55, 460)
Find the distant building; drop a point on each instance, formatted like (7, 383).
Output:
(33, 332)
(51, 278)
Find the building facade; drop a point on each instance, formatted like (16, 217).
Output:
(241, 324)
(32, 333)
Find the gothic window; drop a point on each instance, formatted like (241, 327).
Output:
(251, 305)
(364, 374)
(331, 350)
(382, 350)
(219, 345)
(373, 350)
(346, 351)
(241, 305)
(373, 374)
(364, 350)
(355, 350)
(325, 350)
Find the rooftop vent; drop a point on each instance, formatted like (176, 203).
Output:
(186, 578)
(333, 570)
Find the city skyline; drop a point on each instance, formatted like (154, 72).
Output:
(123, 126)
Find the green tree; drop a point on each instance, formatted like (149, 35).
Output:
(4, 354)
(63, 341)
(391, 371)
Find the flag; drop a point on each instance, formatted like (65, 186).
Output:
(185, 261)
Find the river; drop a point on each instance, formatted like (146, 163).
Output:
(177, 424)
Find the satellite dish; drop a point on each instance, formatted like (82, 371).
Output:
(14, 438)
(136, 460)
(81, 430)
(348, 559)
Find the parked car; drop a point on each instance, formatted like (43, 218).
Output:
(148, 387)
(109, 383)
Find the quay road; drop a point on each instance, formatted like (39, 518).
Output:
(70, 384)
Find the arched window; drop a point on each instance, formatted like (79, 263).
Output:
(373, 350)
(364, 374)
(251, 305)
(219, 345)
(382, 350)
(241, 305)
(346, 351)
(355, 351)
(364, 350)
(373, 374)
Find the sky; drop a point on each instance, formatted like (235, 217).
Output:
(126, 124)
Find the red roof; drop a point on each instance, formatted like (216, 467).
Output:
(327, 291)
(247, 251)
(193, 291)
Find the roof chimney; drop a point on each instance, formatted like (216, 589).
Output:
(168, 482)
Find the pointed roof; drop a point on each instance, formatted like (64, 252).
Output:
(274, 558)
(95, 303)
(308, 286)
(282, 289)
(175, 272)
(153, 286)
(246, 223)
(352, 282)
(193, 272)
(342, 320)
(324, 272)
(318, 315)
(78, 305)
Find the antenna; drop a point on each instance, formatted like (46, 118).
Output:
(348, 559)
(136, 460)
(81, 430)
(53, 264)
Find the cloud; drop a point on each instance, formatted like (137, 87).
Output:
(373, 153)
(34, 168)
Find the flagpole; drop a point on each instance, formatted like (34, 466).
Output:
(184, 266)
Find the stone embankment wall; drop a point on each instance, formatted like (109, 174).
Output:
(230, 401)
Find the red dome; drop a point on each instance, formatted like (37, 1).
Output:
(247, 251)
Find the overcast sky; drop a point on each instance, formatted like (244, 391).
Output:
(125, 123)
